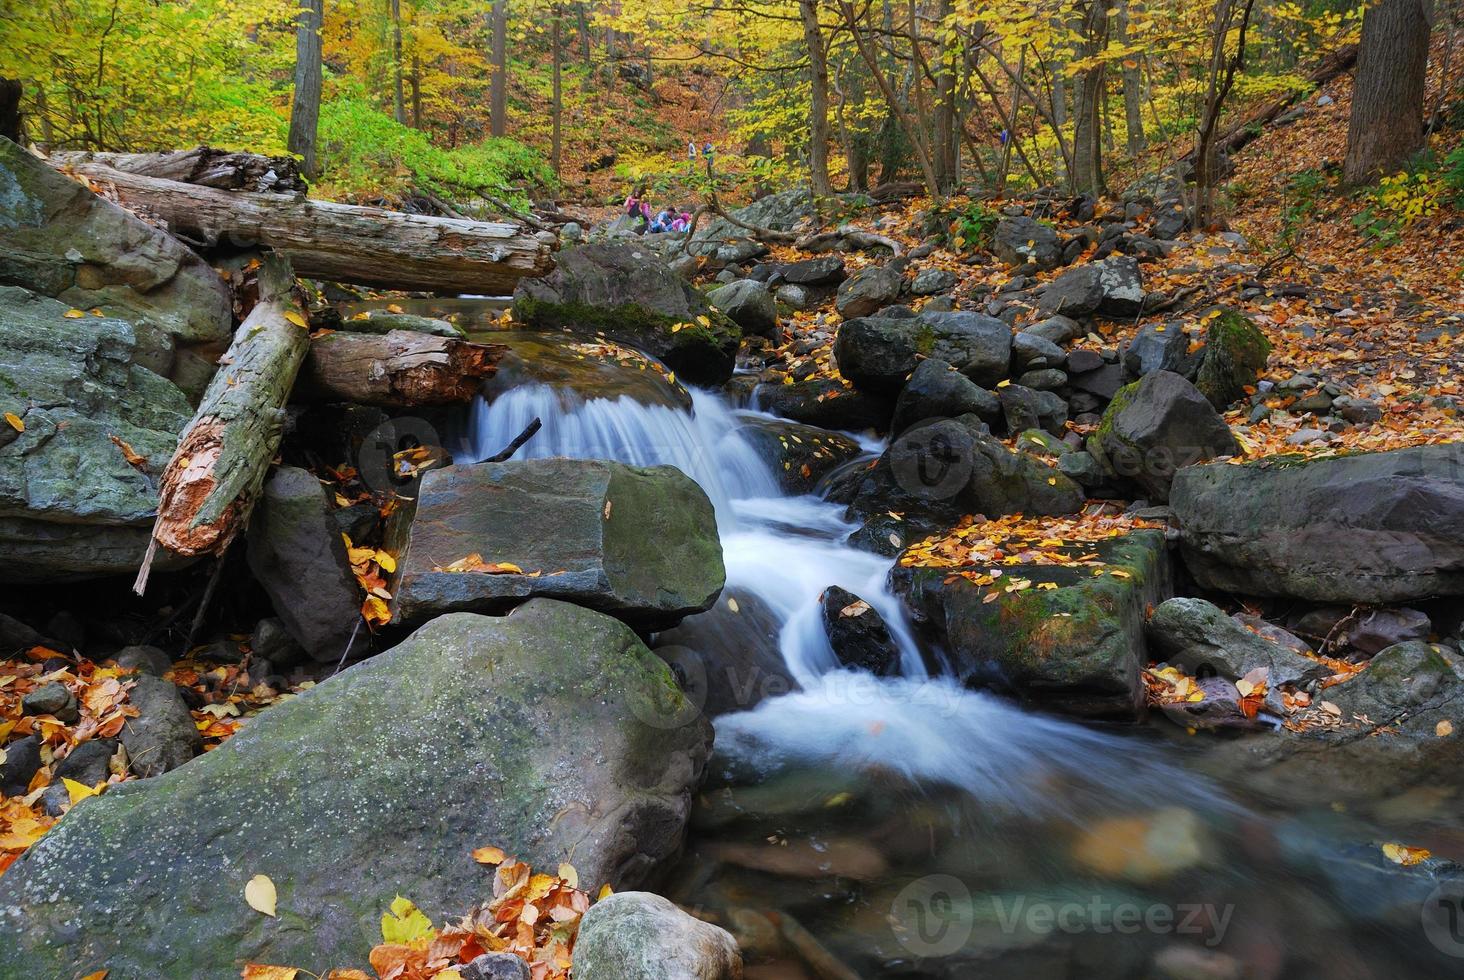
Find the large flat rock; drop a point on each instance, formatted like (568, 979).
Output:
(551, 733)
(1366, 528)
(639, 543)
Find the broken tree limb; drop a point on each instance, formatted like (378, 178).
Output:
(224, 169)
(400, 369)
(341, 242)
(518, 441)
(210, 484)
(848, 236)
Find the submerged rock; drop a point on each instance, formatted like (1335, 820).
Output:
(525, 730)
(640, 936)
(1366, 528)
(627, 293)
(639, 543)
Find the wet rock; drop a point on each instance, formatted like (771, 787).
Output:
(827, 404)
(148, 660)
(1235, 354)
(859, 636)
(836, 858)
(877, 354)
(939, 471)
(750, 305)
(298, 556)
(71, 506)
(52, 698)
(1379, 629)
(542, 731)
(937, 390)
(1027, 408)
(1365, 528)
(1157, 347)
(1021, 240)
(799, 455)
(22, 762)
(928, 282)
(1146, 848)
(640, 936)
(868, 291)
(1198, 637)
(496, 966)
(1078, 648)
(728, 658)
(1156, 427)
(162, 736)
(639, 543)
(627, 293)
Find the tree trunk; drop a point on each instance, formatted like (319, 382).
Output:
(818, 109)
(1133, 88)
(398, 107)
(498, 85)
(557, 104)
(10, 93)
(947, 171)
(1088, 132)
(226, 170)
(305, 110)
(1386, 127)
(416, 82)
(210, 485)
(342, 242)
(582, 22)
(1223, 69)
(400, 369)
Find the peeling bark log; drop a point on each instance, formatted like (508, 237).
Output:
(340, 242)
(205, 166)
(399, 369)
(210, 485)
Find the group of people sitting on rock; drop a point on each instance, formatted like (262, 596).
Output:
(675, 220)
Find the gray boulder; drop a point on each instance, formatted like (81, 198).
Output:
(825, 403)
(730, 657)
(626, 292)
(162, 736)
(1154, 428)
(63, 241)
(1366, 528)
(937, 390)
(928, 282)
(750, 305)
(297, 554)
(1027, 408)
(148, 660)
(781, 212)
(639, 543)
(641, 936)
(858, 635)
(1197, 636)
(496, 966)
(800, 455)
(1021, 240)
(1157, 347)
(551, 732)
(868, 291)
(826, 270)
(1078, 292)
(1378, 629)
(1123, 286)
(1032, 352)
(878, 353)
(71, 506)
(1057, 328)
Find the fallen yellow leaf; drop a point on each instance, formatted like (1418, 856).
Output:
(15, 421)
(260, 894)
(489, 855)
(261, 971)
(295, 317)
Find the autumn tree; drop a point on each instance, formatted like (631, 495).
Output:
(498, 85)
(1386, 126)
(1087, 175)
(818, 103)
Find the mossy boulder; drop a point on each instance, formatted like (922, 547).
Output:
(1368, 528)
(63, 241)
(639, 543)
(1071, 641)
(547, 733)
(1154, 428)
(71, 505)
(1235, 355)
(628, 294)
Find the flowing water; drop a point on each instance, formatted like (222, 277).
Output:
(910, 827)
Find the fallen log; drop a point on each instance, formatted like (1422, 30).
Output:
(1248, 129)
(848, 236)
(224, 169)
(210, 485)
(340, 242)
(400, 369)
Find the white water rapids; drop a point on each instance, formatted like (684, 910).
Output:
(787, 550)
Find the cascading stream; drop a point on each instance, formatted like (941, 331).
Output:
(787, 550)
